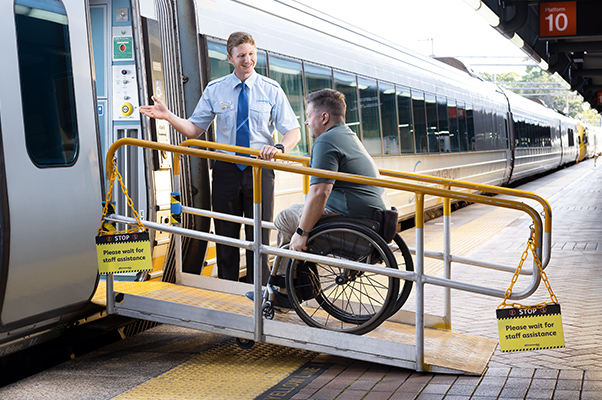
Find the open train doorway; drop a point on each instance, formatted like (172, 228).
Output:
(136, 50)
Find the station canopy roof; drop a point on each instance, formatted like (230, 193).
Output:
(561, 36)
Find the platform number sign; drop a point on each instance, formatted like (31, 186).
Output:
(558, 18)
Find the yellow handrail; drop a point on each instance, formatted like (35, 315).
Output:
(382, 182)
(253, 152)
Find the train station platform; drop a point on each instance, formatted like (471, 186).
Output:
(169, 362)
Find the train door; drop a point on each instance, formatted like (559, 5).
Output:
(137, 54)
(49, 162)
(120, 84)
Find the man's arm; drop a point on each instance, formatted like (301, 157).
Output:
(312, 212)
(160, 111)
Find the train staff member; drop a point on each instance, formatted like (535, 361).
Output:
(248, 107)
(336, 148)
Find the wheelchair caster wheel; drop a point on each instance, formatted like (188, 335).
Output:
(268, 310)
(244, 344)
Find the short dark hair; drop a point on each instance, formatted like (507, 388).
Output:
(238, 38)
(330, 101)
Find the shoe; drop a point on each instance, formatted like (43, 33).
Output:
(251, 295)
(280, 300)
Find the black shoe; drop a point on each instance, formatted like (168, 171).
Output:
(280, 300)
(251, 295)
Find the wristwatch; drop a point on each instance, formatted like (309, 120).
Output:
(301, 232)
(280, 147)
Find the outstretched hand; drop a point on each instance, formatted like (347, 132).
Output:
(159, 110)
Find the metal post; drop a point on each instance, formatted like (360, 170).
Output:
(110, 294)
(419, 282)
(447, 260)
(176, 215)
(257, 253)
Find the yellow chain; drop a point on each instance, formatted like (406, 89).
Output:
(106, 230)
(544, 277)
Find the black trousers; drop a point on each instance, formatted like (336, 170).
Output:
(233, 194)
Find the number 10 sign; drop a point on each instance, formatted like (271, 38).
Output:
(558, 18)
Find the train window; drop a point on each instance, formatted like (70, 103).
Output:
(46, 75)
(419, 121)
(388, 115)
(261, 66)
(431, 118)
(404, 112)
(220, 66)
(317, 78)
(346, 84)
(444, 138)
(479, 129)
(489, 134)
(368, 93)
(489, 128)
(288, 73)
(498, 122)
(462, 127)
(470, 128)
(218, 60)
(571, 138)
(452, 111)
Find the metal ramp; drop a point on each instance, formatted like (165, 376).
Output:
(219, 306)
(392, 343)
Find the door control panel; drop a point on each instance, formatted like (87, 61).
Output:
(125, 93)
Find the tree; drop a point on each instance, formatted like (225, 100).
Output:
(550, 89)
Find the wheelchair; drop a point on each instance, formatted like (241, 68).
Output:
(343, 299)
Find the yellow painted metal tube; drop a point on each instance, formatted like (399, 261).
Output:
(382, 182)
(253, 152)
(256, 185)
(478, 187)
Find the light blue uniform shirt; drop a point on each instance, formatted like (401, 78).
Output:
(268, 109)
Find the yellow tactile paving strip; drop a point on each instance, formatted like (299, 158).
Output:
(224, 372)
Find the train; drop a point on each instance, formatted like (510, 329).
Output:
(76, 72)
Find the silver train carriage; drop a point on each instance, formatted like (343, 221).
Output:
(75, 72)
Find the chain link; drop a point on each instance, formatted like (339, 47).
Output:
(104, 230)
(544, 277)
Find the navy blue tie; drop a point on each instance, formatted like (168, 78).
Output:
(242, 122)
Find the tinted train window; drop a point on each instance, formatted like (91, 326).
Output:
(346, 84)
(288, 74)
(462, 127)
(489, 133)
(452, 111)
(431, 118)
(386, 93)
(218, 60)
(479, 129)
(444, 136)
(419, 121)
(46, 76)
(220, 66)
(406, 127)
(317, 78)
(369, 113)
(470, 127)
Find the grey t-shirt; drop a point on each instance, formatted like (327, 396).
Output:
(339, 149)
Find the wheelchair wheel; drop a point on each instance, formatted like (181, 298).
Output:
(404, 262)
(337, 298)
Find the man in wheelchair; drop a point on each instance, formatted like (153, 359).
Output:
(336, 148)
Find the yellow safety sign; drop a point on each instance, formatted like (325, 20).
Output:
(530, 328)
(123, 253)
